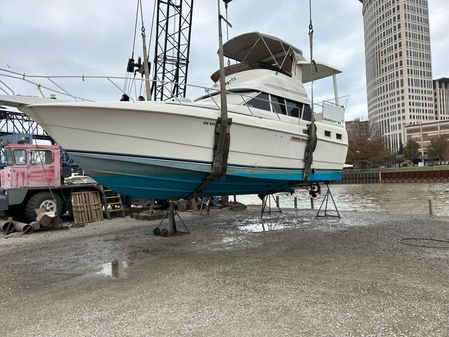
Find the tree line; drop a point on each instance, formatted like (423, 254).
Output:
(365, 152)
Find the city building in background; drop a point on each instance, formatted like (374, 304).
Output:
(398, 67)
(441, 94)
(357, 129)
(424, 133)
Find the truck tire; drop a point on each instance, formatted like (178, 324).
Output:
(43, 200)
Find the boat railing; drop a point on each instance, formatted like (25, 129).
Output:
(50, 86)
(65, 86)
(331, 109)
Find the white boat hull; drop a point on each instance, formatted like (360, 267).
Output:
(160, 150)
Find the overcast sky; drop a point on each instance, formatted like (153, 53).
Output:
(94, 37)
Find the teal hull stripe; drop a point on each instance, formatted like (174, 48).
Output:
(156, 178)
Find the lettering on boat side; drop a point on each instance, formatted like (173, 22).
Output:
(209, 123)
(297, 139)
(232, 79)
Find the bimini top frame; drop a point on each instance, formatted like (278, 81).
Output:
(256, 47)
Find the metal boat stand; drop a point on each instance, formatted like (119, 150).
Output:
(325, 202)
(172, 229)
(206, 203)
(266, 199)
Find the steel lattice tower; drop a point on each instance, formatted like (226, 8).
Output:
(171, 58)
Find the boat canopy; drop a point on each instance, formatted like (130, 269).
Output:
(316, 71)
(256, 47)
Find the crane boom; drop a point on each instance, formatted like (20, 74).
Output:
(172, 48)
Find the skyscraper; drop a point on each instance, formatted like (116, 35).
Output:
(398, 67)
(441, 92)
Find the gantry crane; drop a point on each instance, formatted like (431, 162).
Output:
(172, 48)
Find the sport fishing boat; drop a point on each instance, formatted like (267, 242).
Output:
(165, 150)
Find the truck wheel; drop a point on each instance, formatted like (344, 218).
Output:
(43, 200)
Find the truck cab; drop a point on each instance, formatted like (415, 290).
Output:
(29, 166)
(31, 178)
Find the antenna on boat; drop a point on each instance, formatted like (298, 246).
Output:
(312, 139)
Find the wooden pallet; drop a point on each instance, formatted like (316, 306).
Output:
(87, 207)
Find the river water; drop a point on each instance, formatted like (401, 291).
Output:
(411, 198)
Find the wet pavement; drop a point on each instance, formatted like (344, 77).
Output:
(366, 274)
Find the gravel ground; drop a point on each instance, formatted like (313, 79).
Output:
(301, 277)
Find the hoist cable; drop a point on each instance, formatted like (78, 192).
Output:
(311, 53)
(312, 136)
(152, 25)
(141, 14)
(135, 29)
(227, 28)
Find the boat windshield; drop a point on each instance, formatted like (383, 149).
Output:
(280, 105)
(263, 101)
(233, 97)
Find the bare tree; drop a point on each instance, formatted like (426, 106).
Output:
(438, 148)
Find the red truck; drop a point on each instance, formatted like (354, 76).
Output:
(31, 178)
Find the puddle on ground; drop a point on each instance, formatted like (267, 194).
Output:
(114, 269)
(287, 221)
(258, 225)
(231, 241)
(263, 227)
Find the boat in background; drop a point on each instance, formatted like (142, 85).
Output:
(164, 150)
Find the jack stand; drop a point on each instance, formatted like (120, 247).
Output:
(152, 207)
(171, 212)
(266, 199)
(325, 202)
(206, 202)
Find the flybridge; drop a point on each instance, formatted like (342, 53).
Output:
(256, 47)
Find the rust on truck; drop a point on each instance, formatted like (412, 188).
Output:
(32, 178)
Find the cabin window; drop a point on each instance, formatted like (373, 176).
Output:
(327, 133)
(307, 113)
(20, 157)
(40, 157)
(293, 108)
(339, 136)
(278, 104)
(8, 157)
(261, 101)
